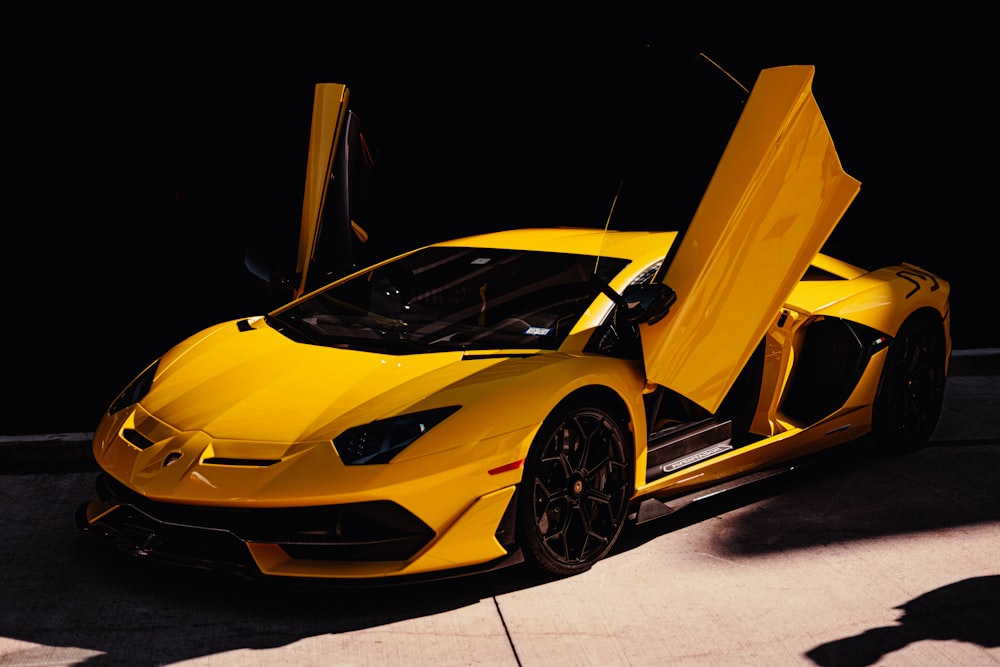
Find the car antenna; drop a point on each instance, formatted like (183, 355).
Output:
(604, 287)
(724, 71)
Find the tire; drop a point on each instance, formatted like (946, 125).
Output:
(576, 490)
(911, 391)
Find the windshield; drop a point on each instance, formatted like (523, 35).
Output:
(452, 298)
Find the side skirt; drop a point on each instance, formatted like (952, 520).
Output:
(653, 508)
(681, 446)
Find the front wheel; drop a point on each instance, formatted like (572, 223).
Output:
(911, 391)
(576, 489)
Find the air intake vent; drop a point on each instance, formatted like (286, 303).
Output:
(137, 439)
(221, 461)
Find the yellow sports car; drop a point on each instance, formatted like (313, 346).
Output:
(520, 396)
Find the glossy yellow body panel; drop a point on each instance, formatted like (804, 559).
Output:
(640, 247)
(877, 299)
(434, 478)
(249, 393)
(776, 196)
(240, 416)
(463, 538)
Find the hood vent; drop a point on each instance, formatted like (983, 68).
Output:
(222, 461)
(136, 439)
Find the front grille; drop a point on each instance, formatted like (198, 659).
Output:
(370, 531)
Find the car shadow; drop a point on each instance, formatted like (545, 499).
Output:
(848, 494)
(71, 599)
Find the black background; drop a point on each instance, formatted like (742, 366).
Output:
(145, 152)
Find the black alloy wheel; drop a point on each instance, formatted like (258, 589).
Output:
(576, 490)
(911, 391)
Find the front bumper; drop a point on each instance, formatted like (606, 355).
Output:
(357, 542)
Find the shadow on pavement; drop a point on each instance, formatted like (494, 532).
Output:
(72, 600)
(68, 599)
(965, 611)
(848, 496)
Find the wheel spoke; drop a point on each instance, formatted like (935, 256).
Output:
(581, 488)
(908, 410)
(921, 385)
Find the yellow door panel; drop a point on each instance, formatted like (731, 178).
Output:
(328, 117)
(776, 195)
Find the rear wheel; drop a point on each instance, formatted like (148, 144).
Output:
(911, 391)
(576, 490)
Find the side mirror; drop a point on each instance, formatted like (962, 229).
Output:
(648, 303)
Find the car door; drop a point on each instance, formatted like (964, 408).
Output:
(774, 198)
(337, 213)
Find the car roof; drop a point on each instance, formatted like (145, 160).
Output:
(642, 247)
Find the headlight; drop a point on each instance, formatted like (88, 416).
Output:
(138, 388)
(381, 440)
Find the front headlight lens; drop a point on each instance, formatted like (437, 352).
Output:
(379, 441)
(138, 388)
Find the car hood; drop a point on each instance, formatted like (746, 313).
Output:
(230, 381)
(776, 195)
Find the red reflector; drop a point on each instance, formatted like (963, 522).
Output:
(513, 465)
